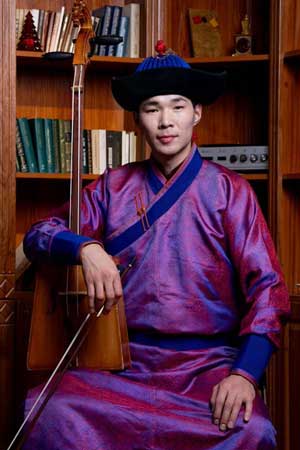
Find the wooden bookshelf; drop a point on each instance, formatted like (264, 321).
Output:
(259, 108)
(292, 56)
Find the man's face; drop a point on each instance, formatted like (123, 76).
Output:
(167, 122)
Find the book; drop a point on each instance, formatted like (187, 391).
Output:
(113, 148)
(89, 150)
(59, 16)
(68, 144)
(38, 136)
(20, 150)
(105, 14)
(62, 155)
(114, 28)
(132, 11)
(205, 33)
(123, 32)
(102, 151)
(56, 145)
(49, 145)
(85, 166)
(45, 30)
(27, 144)
(51, 20)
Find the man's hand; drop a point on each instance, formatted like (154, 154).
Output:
(228, 397)
(101, 276)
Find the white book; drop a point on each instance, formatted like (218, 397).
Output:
(57, 29)
(125, 147)
(132, 146)
(95, 151)
(103, 156)
(62, 32)
(133, 46)
(51, 20)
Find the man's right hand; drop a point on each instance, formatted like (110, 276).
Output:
(101, 277)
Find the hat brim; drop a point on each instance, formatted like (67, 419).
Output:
(199, 86)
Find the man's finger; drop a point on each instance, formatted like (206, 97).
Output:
(226, 411)
(248, 410)
(234, 413)
(219, 404)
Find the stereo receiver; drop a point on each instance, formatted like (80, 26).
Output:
(237, 157)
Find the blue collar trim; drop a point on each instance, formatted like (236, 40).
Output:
(165, 202)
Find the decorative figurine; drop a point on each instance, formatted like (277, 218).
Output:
(243, 41)
(29, 39)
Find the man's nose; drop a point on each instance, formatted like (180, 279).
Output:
(165, 119)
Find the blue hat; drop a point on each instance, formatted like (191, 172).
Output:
(165, 74)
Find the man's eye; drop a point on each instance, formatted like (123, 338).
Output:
(152, 110)
(178, 107)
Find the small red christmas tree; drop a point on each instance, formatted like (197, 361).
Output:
(29, 39)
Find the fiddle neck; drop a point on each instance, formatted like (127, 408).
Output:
(76, 147)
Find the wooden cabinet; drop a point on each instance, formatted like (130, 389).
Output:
(259, 108)
(287, 198)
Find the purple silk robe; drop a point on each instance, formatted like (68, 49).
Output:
(206, 266)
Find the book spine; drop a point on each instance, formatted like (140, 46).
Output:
(27, 144)
(49, 145)
(38, 134)
(89, 151)
(62, 154)
(95, 151)
(55, 133)
(114, 28)
(105, 27)
(133, 12)
(102, 151)
(85, 168)
(68, 143)
(123, 32)
(114, 148)
(20, 150)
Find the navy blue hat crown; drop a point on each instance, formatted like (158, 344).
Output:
(165, 74)
(164, 59)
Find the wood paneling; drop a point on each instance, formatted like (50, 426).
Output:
(7, 220)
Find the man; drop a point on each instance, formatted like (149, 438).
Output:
(205, 273)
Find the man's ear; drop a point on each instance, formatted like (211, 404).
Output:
(197, 113)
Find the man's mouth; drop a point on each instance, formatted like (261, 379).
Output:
(166, 139)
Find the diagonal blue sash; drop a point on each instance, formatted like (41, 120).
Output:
(136, 230)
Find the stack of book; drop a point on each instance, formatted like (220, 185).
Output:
(44, 145)
(56, 32)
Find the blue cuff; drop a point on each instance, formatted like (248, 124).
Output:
(254, 355)
(65, 247)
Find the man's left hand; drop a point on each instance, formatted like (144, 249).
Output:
(228, 397)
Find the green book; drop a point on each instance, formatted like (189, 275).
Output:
(68, 144)
(38, 137)
(62, 150)
(49, 145)
(20, 150)
(27, 144)
(55, 131)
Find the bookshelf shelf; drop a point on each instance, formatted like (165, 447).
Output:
(291, 177)
(113, 63)
(292, 56)
(229, 60)
(91, 177)
(107, 63)
(51, 176)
